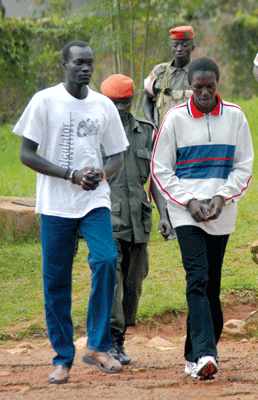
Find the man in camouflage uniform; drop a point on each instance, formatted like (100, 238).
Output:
(131, 213)
(167, 84)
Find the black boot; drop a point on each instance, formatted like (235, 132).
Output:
(117, 348)
(114, 350)
(123, 357)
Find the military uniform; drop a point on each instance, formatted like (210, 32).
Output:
(131, 215)
(172, 85)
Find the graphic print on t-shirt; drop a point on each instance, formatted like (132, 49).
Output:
(67, 144)
(87, 131)
(88, 128)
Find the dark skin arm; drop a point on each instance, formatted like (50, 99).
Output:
(164, 225)
(198, 212)
(30, 158)
(148, 108)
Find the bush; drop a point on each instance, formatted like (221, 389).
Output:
(30, 58)
(239, 37)
(14, 67)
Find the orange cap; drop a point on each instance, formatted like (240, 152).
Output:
(182, 32)
(117, 86)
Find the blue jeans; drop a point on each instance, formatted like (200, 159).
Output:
(202, 256)
(58, 241)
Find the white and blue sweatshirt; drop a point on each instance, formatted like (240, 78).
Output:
(199, 156)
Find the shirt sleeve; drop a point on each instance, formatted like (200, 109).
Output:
(240, 176)
(149, 83)
(30, 124)
(163, 165)
(153, 82)
(256, 60)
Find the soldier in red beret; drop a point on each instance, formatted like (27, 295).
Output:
(131, 213)
(167, 84)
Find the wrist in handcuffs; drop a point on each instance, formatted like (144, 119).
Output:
(187, 205)
(104, 175)
(222, 198)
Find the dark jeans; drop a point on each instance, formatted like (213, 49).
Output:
(202, 256)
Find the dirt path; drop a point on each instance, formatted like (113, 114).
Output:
(156, 372)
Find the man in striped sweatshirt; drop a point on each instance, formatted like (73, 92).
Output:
(202, 164)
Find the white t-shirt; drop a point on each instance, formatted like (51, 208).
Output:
(69, 132)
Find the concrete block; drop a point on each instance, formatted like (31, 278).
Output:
(18, 218)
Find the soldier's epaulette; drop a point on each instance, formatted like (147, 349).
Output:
(145, 122)
(160, 68)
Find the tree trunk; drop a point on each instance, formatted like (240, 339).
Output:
(141, 92)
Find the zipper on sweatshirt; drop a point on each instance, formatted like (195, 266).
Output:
(208, 127)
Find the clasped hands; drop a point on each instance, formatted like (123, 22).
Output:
(88, 178)
(201, 213)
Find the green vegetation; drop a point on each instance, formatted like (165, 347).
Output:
(127, 37)
(241, 51)
(15, 179)
(21, 298)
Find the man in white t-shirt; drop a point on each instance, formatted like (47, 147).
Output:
(255, 69)
(62, 130)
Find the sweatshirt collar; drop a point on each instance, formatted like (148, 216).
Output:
(195, 113)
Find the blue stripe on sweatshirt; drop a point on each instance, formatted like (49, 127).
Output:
(205, 161)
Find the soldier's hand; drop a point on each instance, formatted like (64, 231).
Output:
(164, 228)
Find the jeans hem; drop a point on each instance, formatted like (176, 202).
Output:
(68, 365)
(96, 349)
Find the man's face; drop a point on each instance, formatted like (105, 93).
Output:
(79, 67)
(123, 106)
(204, 86)
(182, 49)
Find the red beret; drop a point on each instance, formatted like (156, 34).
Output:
(117, 86)
(182, 32)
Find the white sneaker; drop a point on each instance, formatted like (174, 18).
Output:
(190, 369)
(206, 367)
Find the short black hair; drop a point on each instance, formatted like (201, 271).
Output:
(66, 49)
(202, 64)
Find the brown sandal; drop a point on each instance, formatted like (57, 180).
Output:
(103, 360)
(59, 375)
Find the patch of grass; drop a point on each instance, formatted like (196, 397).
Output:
(159, 294)
(15, 179)
(21, 296)
(4, 336)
